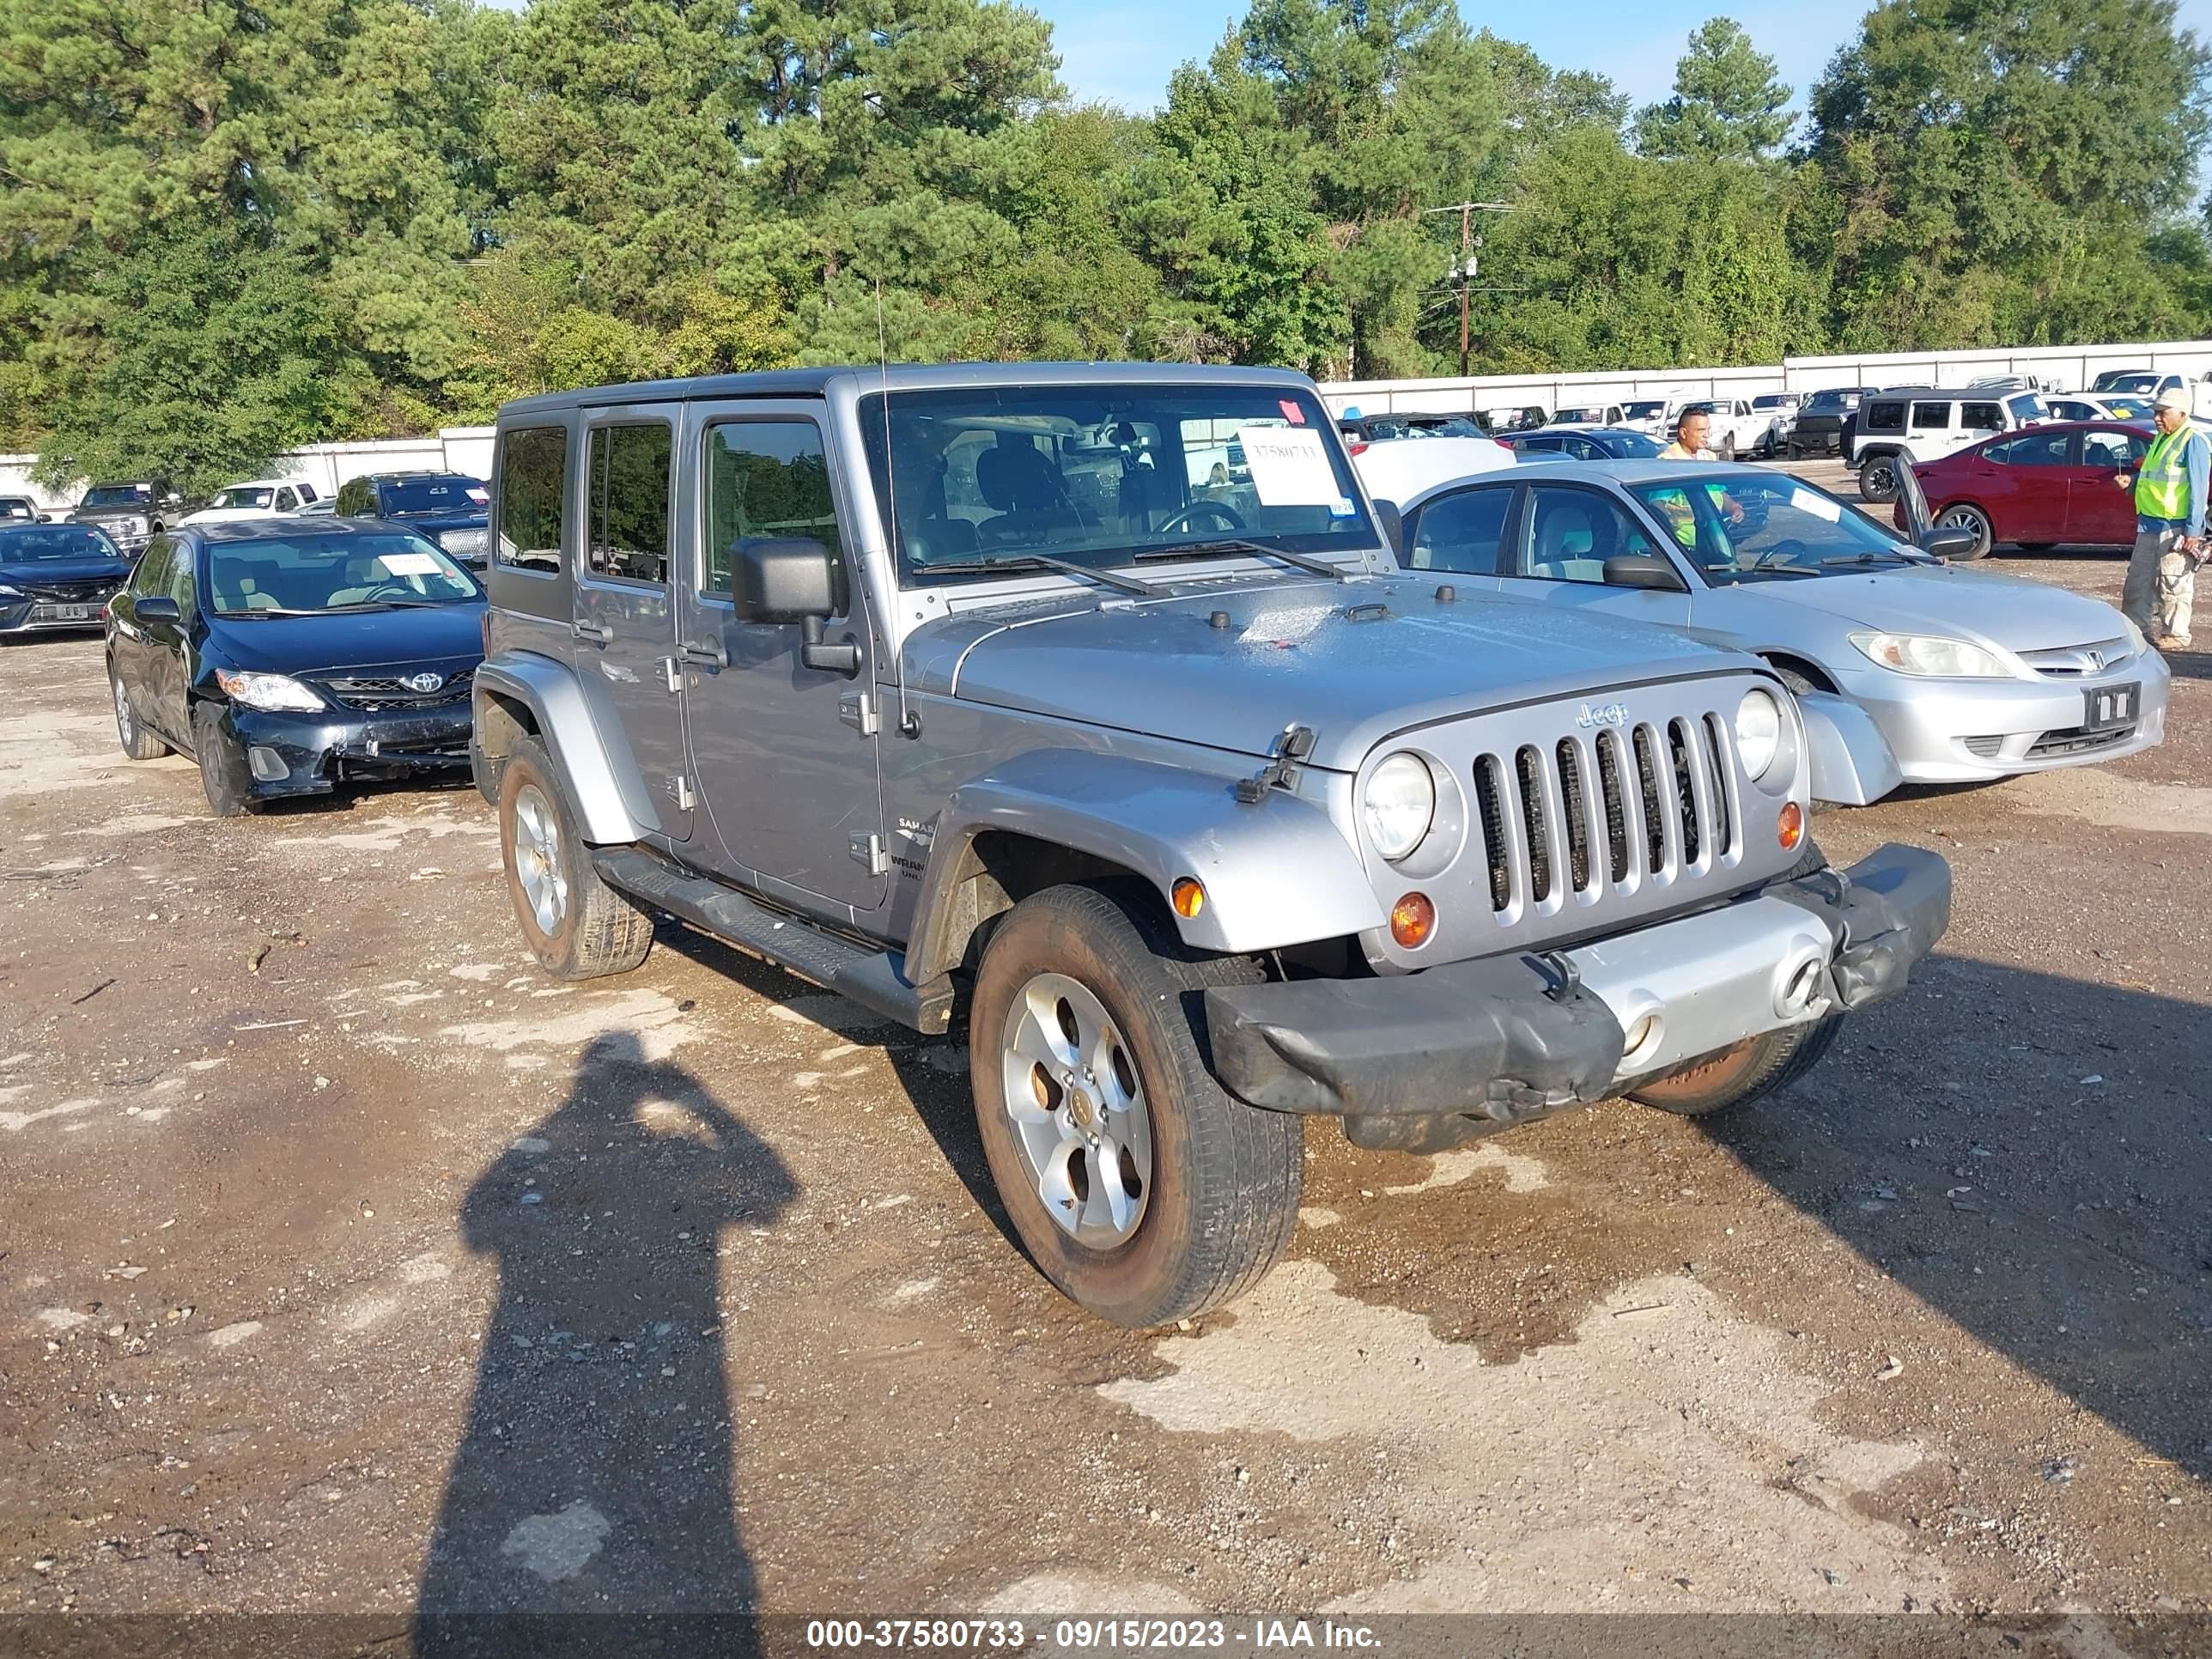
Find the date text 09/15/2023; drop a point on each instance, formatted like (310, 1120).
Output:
(1086, 1635)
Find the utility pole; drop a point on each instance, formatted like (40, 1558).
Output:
(1463, 272)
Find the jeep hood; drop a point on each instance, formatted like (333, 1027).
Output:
(2008, 612)
(1356, 662)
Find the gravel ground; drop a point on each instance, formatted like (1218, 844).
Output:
(348, 1265)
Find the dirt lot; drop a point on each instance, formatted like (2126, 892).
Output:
(346, 1262)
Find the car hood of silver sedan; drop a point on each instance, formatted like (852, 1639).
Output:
(1356, 662)
(2002, 610)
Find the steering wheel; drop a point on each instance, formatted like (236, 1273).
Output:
(398, 588)
(1783, 550)
(1227, 515)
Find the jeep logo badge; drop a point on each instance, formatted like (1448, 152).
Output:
(423, 682)
(1604, 714)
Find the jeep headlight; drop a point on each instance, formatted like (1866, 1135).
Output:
(1398, 805)
(278, 693)
(1758, 731)
(1930, 656)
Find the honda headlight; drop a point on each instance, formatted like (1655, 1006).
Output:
(278, 693)
(1399, 804)
(1930, 656)
(1758, 731)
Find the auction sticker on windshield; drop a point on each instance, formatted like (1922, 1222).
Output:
(1819, 506)
(1290, 466)
(407, 564)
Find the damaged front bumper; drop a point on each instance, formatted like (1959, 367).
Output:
(309, 754)
(1430, 1058)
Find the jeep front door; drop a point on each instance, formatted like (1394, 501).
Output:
(625, 616)
(785, 754)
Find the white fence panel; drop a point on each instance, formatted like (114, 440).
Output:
(465, 449)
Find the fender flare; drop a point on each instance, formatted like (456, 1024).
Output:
(1276, 873)
(608, 814)
(1852, 763)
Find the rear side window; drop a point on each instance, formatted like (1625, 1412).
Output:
(1883, 417)
(152, 574)
(1982, 417)
(1462, 533)
(1932, 417)
(768, 479)
(2036, 449)
(531, 525)
(628, 485)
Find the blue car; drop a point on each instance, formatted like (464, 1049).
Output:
(452, 508)
(56, 576)
(290, 655)
(1592, 443)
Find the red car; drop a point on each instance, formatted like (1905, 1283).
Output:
(2040, 487)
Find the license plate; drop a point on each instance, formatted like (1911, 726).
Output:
(63, 612)
(2108, 706)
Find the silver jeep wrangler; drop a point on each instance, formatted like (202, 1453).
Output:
(1089, 705)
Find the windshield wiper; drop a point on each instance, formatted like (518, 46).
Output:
(1877, 558)
(265, 611)
(1233, 544)
(1045, 562)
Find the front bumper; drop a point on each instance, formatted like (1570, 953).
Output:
(1473, 1047)
(1974, 730)
(310, 754)
(26, 617)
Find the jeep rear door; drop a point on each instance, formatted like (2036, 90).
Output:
(784, 755)
(625, 616)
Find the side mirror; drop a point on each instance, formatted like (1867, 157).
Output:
(1640, 570)
(794, 578)
(172, 499)
(158, 608)
(1394, 527)
(1947, 541)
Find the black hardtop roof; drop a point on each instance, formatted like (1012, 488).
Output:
(899, 377)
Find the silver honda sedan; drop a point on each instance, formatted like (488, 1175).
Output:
(1967, 675)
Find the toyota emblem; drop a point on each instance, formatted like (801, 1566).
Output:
(423, 682)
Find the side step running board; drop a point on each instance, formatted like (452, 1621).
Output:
(874, 979)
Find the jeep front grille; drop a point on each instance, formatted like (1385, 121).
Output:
(1662, 807)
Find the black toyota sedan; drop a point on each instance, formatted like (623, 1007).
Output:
(289, 655)
(57, 575)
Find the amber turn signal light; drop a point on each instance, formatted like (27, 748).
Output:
(1789, 828)
(1187, 896)
(1412, 919)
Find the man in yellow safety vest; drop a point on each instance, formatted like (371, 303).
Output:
(2171, 488)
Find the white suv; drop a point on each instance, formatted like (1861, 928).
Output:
(1907, 425)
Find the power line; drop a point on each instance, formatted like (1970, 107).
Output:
(1463, 272)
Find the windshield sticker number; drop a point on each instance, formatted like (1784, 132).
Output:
(408, 564)
(1819, 506)
(1290, 466)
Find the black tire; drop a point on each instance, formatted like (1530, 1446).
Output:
(1965, 515)
(1222, 1202)
(2037, 547)
(1728, 447)
(131, 732)
(593, 930)
(1878, 478)
(223, 777)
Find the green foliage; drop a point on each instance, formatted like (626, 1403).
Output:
(1730, 103)
(215, 353)
(231, 226)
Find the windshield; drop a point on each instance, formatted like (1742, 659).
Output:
(1747, 527)
(18, 506)
(1833, 400)
(1650, 409)
(1773, 400)
(454, 494)
(2124, 381)
(118, 495)
(2128, 409)
(336, 571)
(260, 496)
(1584, 416)
(1098, 475)
(50, 543)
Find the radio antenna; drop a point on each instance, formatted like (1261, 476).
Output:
(909, 725)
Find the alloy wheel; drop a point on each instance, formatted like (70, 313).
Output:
(1968, 518)
(1078, 1106)
(538, 859)
(126, 726)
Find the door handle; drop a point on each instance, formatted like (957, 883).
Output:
(710, 654)
(592, 633)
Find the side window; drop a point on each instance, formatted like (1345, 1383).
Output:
(627, 484)
(1583, 449)
(151, 575)
(2119, 451)
(1544, 445)
(351, 495)
(1567, 535)
(1936, 417)
(308, 493)
(532, 461)
(1883, 417)
(178, 582)
(766, 478)
(1462, 531)
(286, 499)
(1980, 417)
(2035, 449)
